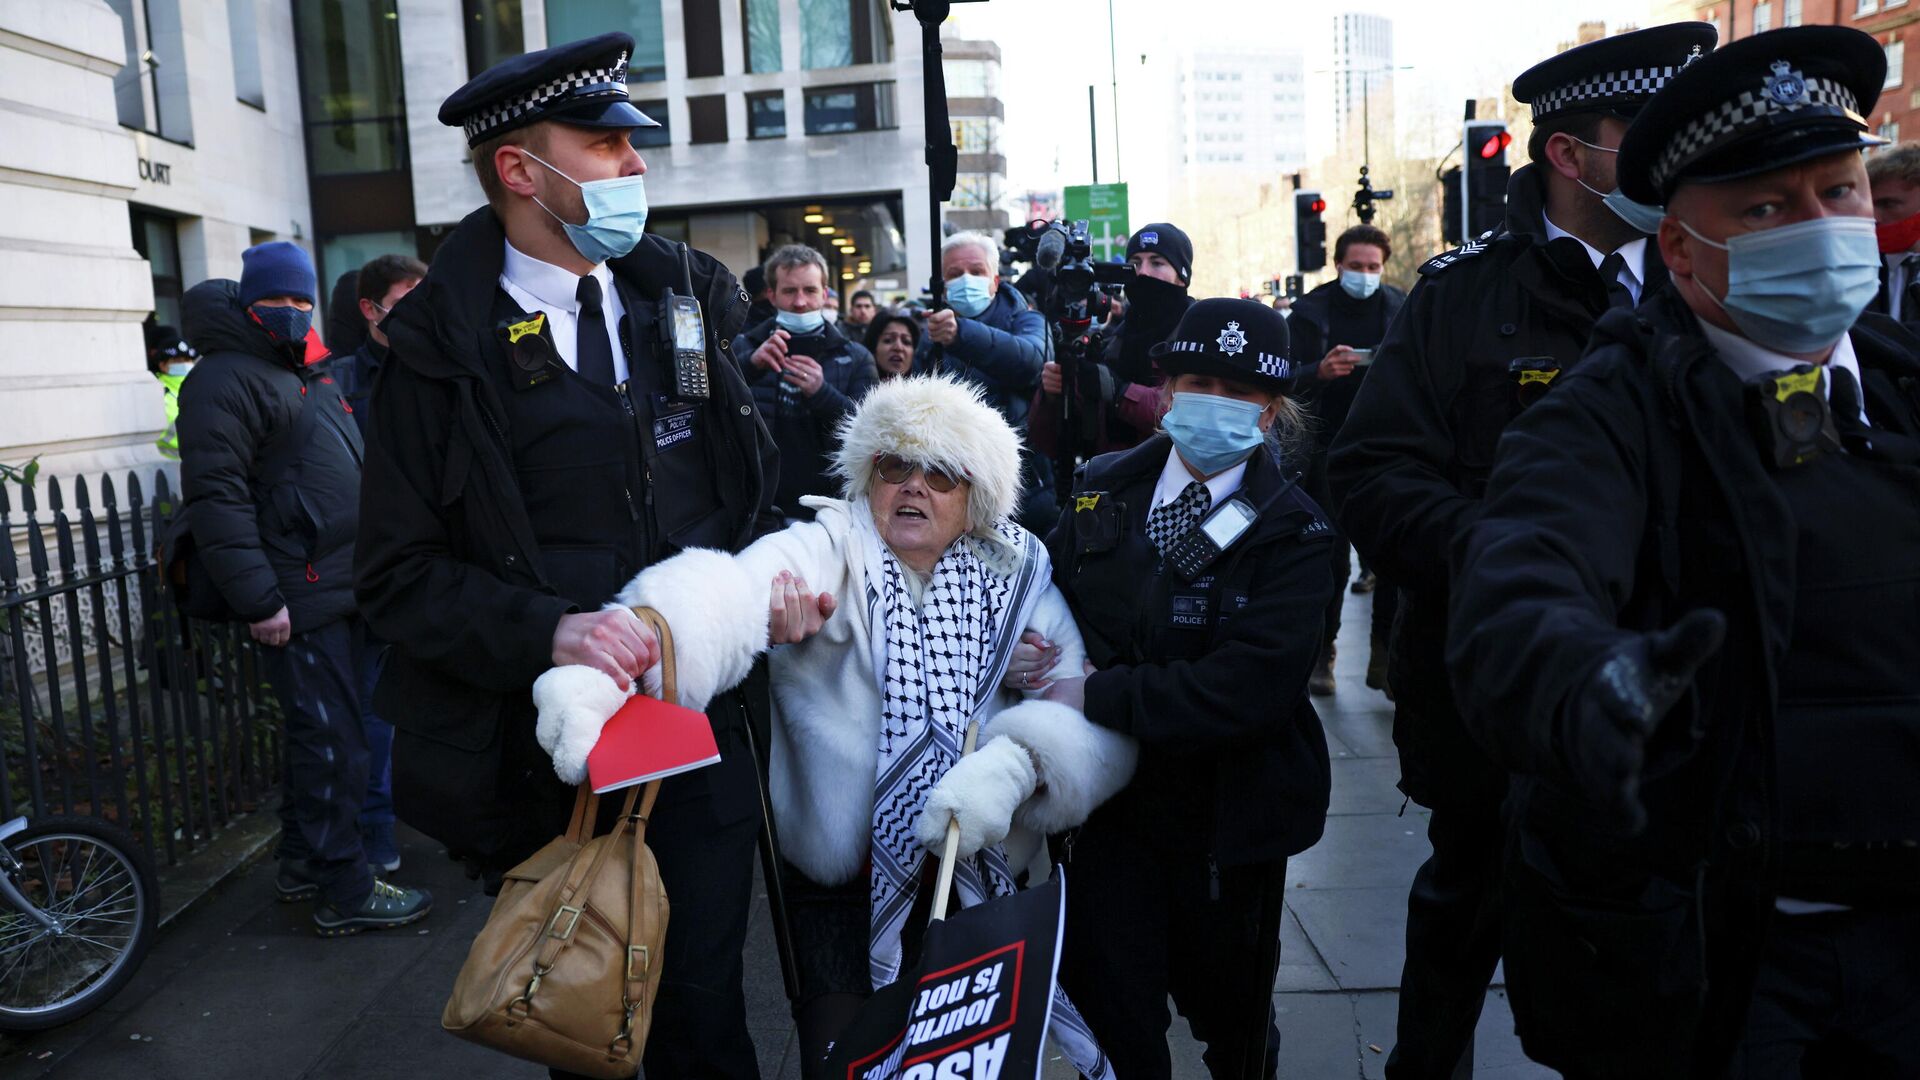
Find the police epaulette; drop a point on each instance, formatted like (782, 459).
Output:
(1465, 251)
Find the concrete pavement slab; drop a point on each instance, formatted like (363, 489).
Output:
(1362, 851)
(1366, 786)
(1360, 933)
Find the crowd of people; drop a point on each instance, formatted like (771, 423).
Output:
(1628, 478)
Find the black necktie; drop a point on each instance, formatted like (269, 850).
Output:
(1843, 401)
(592, 351)
(1618, 295)
(1910, 288)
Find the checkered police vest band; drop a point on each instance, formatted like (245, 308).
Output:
(1735, 116)
(1273, 367)
(1628, 86)
(610, 82)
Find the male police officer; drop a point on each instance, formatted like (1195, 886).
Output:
(536, 441)
(1686, 615)
(1487, 327)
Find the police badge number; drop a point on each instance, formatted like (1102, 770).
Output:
(1786, 87)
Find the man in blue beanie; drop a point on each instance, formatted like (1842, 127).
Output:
(270, 469)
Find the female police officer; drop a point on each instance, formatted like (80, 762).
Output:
(1688, 613)
(1197, 571)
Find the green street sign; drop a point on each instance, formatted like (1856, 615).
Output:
(1104, 206)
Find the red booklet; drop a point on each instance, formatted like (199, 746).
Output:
(649, 739)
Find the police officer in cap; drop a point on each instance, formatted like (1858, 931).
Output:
(1487, 328)
(1197, 569)
(539, 438)
(1686, 614)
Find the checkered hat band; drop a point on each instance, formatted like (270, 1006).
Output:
(609, 82)
(1636, 84)
(1270, 365)
(1733, 117)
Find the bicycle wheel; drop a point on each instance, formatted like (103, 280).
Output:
(96, 886)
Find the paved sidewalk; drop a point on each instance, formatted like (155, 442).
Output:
(241, 988)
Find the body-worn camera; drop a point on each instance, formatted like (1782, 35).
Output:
(1789, 415)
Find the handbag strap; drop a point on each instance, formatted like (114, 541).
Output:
(586, 813)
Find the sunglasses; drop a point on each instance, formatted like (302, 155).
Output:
(895, 470)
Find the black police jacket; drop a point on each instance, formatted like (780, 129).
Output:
(273, 523)
(1327, 317)
(1211, 676)
(1408, 466)
(1629, 496)
(450, 571)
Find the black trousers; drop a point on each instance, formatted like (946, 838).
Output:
(1453, 945)
(1144, 921)
(1341, 555)
(324, 756)
(1838, 995)
(705, 846)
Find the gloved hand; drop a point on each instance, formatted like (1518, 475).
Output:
(1609, 720)
(981, 792)
(575, 702)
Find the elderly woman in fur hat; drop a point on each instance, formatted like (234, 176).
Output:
(924, 588)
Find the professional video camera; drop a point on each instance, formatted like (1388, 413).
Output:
(1080, 290)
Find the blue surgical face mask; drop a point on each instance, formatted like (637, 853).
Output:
(179, 367)
(616, 214)
(1639, 217)
(800, 322)
(969, 294)
(1359, 285)
(1799, 288)
(1211, 432)
(283, 324)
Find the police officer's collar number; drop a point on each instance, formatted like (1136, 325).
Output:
(1219, 531)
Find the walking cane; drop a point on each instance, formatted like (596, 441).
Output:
(770, 870)
(950, 853)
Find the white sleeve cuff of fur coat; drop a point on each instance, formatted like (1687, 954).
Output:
(717, 611)
(1079, 763)
(574, 703)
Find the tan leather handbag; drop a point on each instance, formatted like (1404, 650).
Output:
(565, 971)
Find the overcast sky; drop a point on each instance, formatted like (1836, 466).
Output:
(1052, 49)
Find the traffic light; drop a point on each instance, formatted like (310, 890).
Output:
(1451, 218)
(1309, 231)
(1483, 196)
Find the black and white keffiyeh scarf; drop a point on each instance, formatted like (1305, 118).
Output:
(939, 664)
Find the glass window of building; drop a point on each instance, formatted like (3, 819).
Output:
(1790, 16)
(707, 118)
(157, 238)
(840, 33)
(973, 191)
(571, 20)
(862, 107)
(1896, 64)
(974, 79)
(494, 32)
(701, 21)
(767, 115)
(151, 90)
(646, 137)
(350, 87)
(760, 25)
(976, 134)
(243, 39)
(1762, 17)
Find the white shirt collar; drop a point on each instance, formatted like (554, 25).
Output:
(1633, 253)
(1750, 360)
(1174, 479)
(553, 286)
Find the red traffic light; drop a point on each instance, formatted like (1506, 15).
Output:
(1495, 143)
(1318, 206)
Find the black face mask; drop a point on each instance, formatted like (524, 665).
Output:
(1154, 302)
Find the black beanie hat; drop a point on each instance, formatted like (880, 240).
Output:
(1166, 241)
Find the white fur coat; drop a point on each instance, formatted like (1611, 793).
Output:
(826, 700)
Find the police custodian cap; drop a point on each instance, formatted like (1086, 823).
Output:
(1614, 75)
(583, 83)
(1241, 340)
(1762, 103)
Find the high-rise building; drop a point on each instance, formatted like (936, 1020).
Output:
(972, 70)
(147, 143)
(1240, 110)
(1361, 80)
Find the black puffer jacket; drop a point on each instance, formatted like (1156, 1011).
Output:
(274, 523)
(803, 427)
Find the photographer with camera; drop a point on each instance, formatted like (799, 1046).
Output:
(1335, 328)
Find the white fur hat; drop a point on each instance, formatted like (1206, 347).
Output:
(934, 420)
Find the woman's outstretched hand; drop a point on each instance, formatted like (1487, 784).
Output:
(793, 613)
(1032, 659)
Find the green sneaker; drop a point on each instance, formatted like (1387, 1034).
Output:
(385, 907)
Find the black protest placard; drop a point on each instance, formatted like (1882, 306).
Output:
(975, 1007)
